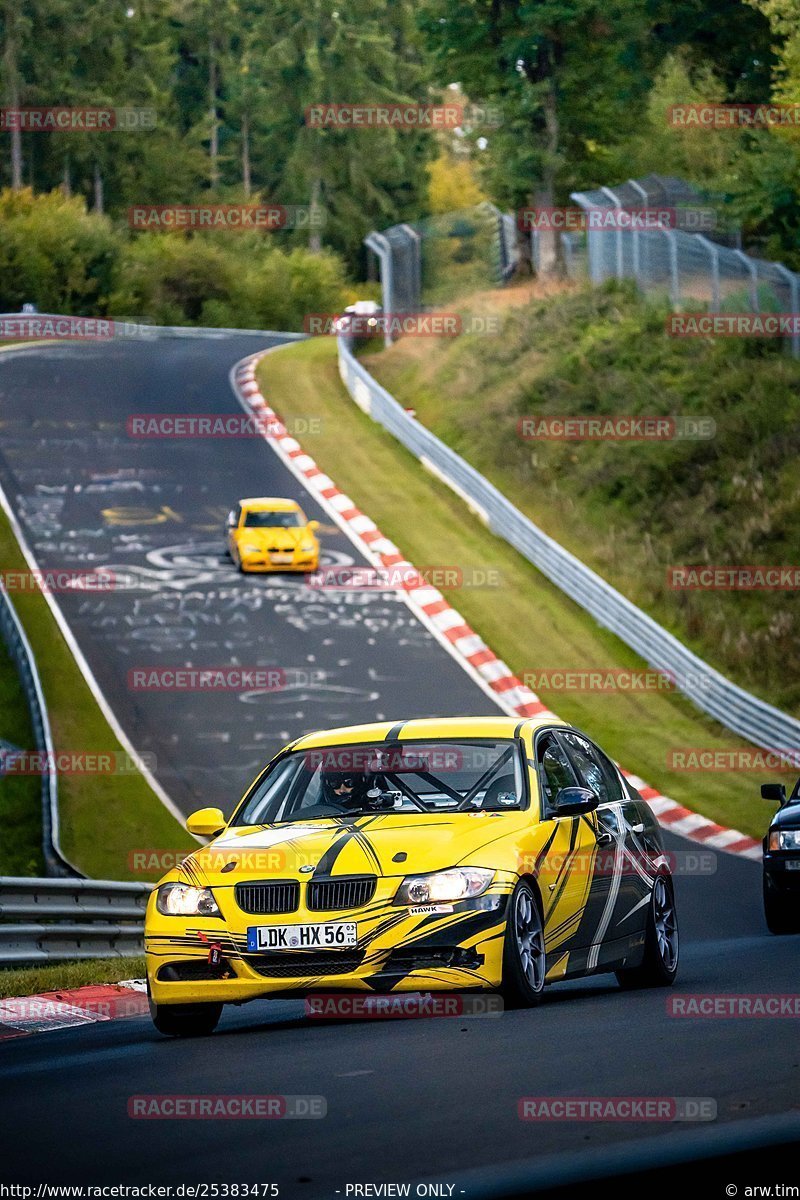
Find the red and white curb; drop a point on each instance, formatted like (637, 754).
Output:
(446, 623)
(68, 1008)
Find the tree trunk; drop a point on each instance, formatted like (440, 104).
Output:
(99, 202)
(549, 256)
(246, 178)
(314, 235)
(66, 179)
(212, 106)
(10, 62)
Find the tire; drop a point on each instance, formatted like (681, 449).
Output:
(524, 958)
(781, 917)
(659, 965)
(185, 1020)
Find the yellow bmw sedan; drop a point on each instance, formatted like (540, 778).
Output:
(429, 855)
(268, 533)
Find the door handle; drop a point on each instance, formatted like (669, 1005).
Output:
(638, 828)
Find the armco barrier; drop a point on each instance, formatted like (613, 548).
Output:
(56, 920)
(732, 706)
(13, 635)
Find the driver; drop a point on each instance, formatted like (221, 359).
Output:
(343, 789)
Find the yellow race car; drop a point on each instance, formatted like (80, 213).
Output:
(267, 533)
(430, 855)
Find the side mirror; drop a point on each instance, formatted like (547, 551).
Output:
(774, 792)
(206, 822)
(313, 525)
(231, 519)
(572, 801)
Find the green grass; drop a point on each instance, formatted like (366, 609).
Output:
(20, 807)
(103, 817)
(525, 620)
(630, 510)
(27, 981)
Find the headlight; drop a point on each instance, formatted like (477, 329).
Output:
(181, 900)
(307, 548)
(459, 883)
(252, 549)
(784, 839)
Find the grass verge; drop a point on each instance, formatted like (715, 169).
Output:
(631, 510)
(103, 817)
(525, 619)
(20, 805)
(27, 981)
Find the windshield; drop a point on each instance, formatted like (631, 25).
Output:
(273, 520)
(407, 777)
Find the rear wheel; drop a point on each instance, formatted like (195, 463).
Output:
(185, 1020)
(524, 959)
(660, 963)
(782, 916)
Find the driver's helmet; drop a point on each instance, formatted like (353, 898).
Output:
(342, 787)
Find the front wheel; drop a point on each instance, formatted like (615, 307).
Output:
(781, 914)
(185, 1020)
(524, 959)
(659, 965)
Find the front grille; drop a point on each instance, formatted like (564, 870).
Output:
(291, 966)
(421, 958)
(273, 896)
(349, 891)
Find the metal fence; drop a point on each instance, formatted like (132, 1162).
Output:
(733, 707)
(708, 269)
(13, 635)
(430, 261)
(56, 920)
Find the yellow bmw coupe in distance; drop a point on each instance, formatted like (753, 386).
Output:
(268, 533)
(428, 855)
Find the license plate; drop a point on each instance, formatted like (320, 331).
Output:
(281, 558)
(793, 864)
(333, 935)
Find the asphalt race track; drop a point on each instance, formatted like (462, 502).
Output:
(152, 511)
(406, 1099)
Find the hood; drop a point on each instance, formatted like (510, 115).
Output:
(787, 817)
(383, 844)
(275, 537)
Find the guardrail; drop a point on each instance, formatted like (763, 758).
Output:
(14, 637)
(57, 920)
(732, 706)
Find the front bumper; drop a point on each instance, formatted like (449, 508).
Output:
(782, 870)
(263, 563)
(396, 952)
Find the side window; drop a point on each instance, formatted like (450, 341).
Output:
(591, 770)
(555, 769)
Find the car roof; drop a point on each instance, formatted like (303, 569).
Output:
(278, 503)
(433, 728)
